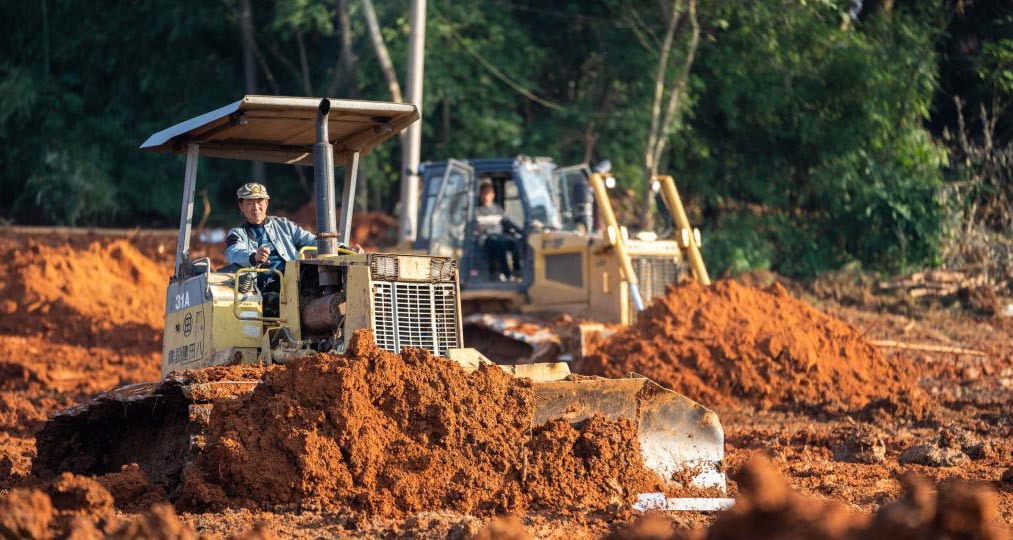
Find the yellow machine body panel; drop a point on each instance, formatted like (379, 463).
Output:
(201, 328)
(407, 300)
(580, 275)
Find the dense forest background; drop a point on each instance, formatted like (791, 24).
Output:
(805, 134)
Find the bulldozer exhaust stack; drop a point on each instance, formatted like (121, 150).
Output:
(323, 183)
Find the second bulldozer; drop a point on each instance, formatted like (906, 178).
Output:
(219, 317)
(575, 257)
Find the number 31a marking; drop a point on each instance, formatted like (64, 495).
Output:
(182, 300)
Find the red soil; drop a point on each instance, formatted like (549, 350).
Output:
(106, 294)
(78, 316)
(131, 489)
(730, 343)
(767, 508)
(49, 361)
(389, 434)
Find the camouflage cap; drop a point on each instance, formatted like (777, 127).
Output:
(252, 190)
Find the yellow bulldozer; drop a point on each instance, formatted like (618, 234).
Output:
(218, 317)
(575, 258)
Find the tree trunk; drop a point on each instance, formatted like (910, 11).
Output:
(656, 128)
(249, 70)
(304, 64)
(657, 140)
(381, 51)
(349, 81)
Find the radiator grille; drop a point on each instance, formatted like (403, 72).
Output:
(383, 316)
(654, 274)
(420, 315)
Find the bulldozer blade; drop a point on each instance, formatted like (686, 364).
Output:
(512, 339)
(680, 440)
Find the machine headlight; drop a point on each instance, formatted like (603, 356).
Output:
(442, 269)
(384, 267)
(412, 268)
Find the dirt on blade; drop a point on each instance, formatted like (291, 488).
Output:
(389, 434)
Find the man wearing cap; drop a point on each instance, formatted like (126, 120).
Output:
(264, 240)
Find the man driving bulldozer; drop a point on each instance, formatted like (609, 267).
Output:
(494, 230)
(265, 241)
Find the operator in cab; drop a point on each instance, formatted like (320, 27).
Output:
(265, 241)
(494, 229)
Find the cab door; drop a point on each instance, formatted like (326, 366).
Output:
(570, 186)
(432, 179)
(451, 214)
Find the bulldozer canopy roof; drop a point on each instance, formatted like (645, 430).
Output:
(281, 129)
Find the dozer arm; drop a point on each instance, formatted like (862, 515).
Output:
(614, 235)
(674, 203)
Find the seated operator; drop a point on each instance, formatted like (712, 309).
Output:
(265, 241)
(491, 227)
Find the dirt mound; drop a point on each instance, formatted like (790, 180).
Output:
(160, 523)
(31, 514)
(387, 434)
(767, 508)
(106, 294)
(70, 506)
(78, 507)
(507, 527)
(730, 343)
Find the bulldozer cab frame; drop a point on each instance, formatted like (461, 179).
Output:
(289, 130)
(535, 194)
(215, 318)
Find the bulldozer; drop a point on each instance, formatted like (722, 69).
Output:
(575, 259)
(216, 317)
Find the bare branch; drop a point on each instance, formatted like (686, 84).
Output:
(344, 71)
(274, 49)
(304, 63)
(266, 69)
(659, 89)
(246, 28)
(680, 84)
(381, 51)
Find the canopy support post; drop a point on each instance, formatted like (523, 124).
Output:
(186, 213)
(348, 196)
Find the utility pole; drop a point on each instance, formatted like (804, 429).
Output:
(412, 142)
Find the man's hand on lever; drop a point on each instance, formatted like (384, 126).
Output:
(260, 257)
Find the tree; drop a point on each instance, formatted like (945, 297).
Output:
(661, 126)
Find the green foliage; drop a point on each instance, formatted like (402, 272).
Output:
(996, 66)
(740, 242)
(806, 141)
(816, 129)
(70, 188)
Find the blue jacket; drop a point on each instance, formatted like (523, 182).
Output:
(285, 235)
